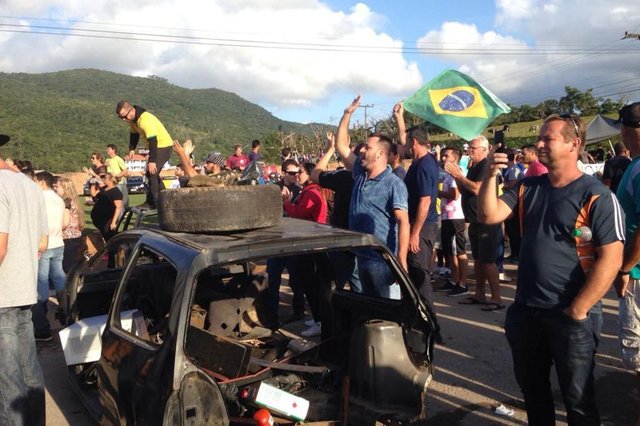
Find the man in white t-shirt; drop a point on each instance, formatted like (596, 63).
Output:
(50, 263)
(23, 233)
(453, 228)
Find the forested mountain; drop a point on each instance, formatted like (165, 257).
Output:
(57, 119)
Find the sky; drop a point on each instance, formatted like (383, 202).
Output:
(305, 60)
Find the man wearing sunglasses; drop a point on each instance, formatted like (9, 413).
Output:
(143, 123)
(556, 315)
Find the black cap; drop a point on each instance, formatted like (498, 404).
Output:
(4, 139)
(630, 115)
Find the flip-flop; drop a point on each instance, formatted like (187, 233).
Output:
(472, 301)
(492, 306)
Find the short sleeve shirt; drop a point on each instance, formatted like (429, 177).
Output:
(23, 216)
(629, 196)
(115, 165)
(148, 126)
(553, 263)
(451, 209)
(373, 202)
(422, 181)
(477, 173)
(341, 183)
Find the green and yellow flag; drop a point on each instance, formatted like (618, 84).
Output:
(456, 102)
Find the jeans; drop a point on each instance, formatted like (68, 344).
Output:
(419, 264)
(275, 267)
(50, 274)
(345, 266)
(542, 337)
(376, 277)
(21, 381)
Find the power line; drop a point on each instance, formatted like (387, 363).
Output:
(272, 44)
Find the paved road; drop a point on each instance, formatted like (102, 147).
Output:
(473, 372)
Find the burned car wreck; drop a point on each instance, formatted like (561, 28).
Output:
(167, 328)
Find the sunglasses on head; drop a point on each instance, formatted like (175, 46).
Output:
(571, 118)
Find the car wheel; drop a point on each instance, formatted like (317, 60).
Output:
(219, 209)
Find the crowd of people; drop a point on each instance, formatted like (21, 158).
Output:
(535, 197)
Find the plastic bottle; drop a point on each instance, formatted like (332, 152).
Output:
(582, 233)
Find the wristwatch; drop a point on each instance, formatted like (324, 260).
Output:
(623, 273)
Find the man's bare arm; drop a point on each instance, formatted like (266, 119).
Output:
(4, 243)
(402, 218)
(491, 209)
(630, 259)
(184, 159)
(398, 113)
(456, 172)
(323, 163)
(418, 222)
(342, 137)
(604, 270)
(43, 243)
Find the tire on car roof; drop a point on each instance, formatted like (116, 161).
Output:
(219, 209)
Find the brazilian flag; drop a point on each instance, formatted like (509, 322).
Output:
(456, 102)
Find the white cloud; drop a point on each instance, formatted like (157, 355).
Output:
(334, 47)
(581, 30)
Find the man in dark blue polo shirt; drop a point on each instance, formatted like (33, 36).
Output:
(422, 186)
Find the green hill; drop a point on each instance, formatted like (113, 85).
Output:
(57, 119)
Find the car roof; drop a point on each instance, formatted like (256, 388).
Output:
(290, 236)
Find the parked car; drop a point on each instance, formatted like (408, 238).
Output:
(184, 340)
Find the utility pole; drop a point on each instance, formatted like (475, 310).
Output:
(366, 106)
(630, 35)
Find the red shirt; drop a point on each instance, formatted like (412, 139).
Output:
(536, 168)
(237, 161)
(309, 205)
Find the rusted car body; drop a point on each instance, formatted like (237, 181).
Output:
(184, 344)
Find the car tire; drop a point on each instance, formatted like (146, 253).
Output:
(219, 209)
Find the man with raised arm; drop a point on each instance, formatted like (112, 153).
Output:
(556, 315)
(379, 203)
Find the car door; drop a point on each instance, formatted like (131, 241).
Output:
(135, 371)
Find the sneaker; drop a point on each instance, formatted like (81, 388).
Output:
(459, 290)
(312, 331)
(443, 271)
(450, 285)
(504, 278)
(311, 322)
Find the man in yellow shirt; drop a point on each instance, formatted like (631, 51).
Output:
(158, 140)
(118, 169)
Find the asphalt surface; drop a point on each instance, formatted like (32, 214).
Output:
(473, 370)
